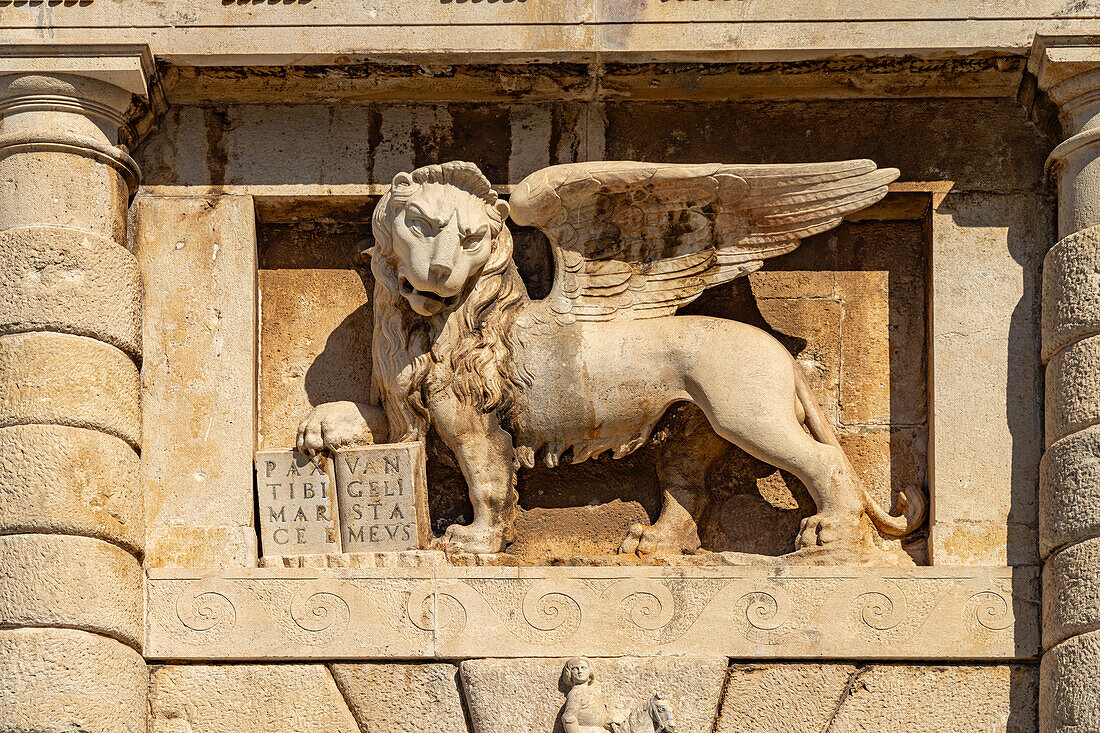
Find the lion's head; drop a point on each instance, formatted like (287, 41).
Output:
(445, 289)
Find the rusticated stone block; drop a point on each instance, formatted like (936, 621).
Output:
(1071, 290)
(507, 695)
(79, 582)
(810, 698)
(1071, 591)
(59, 189)
(63, 480)
(934, 699)
(1069, 696)
(1073, 389)
(59, 379)
(62, 680)
(403, 698)
(795, 698)
(247, 698)
(67, 281)
(1069, 490)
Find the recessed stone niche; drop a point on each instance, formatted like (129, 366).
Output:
(850, 304)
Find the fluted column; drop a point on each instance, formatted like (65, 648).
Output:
(71, 518)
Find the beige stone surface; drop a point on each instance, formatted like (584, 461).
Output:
(1070, 686)
(1071, 292)
(1071, 591)
(198, 261)
(58, 189)
(69, 380)
(505, 695)
(63, 480)
(1073, 388)
(54, 279)
(77, 582)
(983, 543)
(1069, 485)
(61, 680)
(252, 698)
(794, 698)
(948, 699)
(216, 546)
(403, 698)
(324, 358)
(986, 385)
(397, 611)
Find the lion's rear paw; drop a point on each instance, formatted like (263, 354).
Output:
(671, 539)
(472, 539)
(825, 529)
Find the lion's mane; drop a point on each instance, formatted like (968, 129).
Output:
(475, 338)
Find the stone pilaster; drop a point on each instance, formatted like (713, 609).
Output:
(1068, 71)
(71, 516)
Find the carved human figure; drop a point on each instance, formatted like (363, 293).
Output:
(585, 710)
(505, 380)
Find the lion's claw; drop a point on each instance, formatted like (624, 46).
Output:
(332, 426)
(825, 529)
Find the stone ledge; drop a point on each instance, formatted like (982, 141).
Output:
(789, 613)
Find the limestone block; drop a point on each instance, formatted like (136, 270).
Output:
(79, 582)
(1071, 290)
(1069, 489)
(507, 695)
(247, 698)
(403, 698)
(198, 262)
(62, 680)
(1069, 697)
(1071, 592)
(1073, 388)
(62, 480)
(794, 698)
(72, 282)
(60, 379)
(58, 189)
(986, 384)
(927, 699)
(216, 546)
(983, 543)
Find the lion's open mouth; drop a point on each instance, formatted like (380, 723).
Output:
(407, 290)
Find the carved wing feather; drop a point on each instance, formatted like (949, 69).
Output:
(639, 240)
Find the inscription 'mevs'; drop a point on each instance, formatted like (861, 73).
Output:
(361, 500)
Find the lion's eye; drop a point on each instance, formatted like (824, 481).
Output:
(419, 226)
(472, 242)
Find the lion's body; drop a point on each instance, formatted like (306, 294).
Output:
(603, 386)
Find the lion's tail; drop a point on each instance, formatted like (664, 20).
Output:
(911, 499)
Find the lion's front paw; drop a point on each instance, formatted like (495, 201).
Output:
(332, 426)
(663, 538)
(474, 539)
(826, 529)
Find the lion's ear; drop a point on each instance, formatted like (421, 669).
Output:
(502, 208)
(401, 180)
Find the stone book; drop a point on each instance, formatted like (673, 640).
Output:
(364, 499)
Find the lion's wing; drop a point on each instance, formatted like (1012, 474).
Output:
(639, 240)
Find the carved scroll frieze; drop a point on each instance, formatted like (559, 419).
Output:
(915, 613)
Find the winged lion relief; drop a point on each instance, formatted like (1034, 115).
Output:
(459, 348)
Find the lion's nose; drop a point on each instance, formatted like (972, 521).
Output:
(439, 273)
